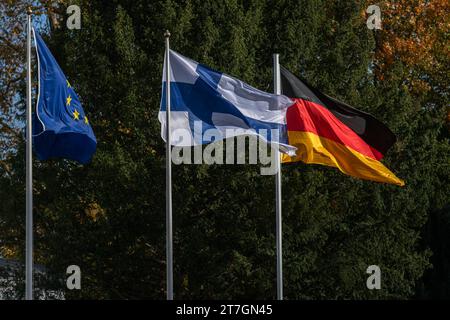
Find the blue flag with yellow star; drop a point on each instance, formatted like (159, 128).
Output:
(61, 128)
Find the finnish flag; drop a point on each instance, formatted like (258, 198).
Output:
(203, 99)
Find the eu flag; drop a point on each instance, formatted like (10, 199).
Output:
(61, 128)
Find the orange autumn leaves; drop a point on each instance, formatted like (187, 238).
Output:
(415, 32)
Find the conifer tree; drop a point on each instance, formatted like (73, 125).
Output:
(109, 217)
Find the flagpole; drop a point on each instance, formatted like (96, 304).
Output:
(29, 175)
(277, 90)
(169, 235)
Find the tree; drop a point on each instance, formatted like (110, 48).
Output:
(108, 217)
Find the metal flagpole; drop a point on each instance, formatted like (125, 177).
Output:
(169, 235)
(29, 176)
(277, 90)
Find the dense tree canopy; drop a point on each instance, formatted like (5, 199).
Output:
(108, 217)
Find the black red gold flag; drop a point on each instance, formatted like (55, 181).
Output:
(329, 132)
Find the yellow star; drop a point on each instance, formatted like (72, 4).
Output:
(68, 100)
(86, 120)
(76, 115)
(68, 84)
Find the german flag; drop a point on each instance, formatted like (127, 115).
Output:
(329, 132)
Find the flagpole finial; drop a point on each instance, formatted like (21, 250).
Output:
(29, 10)
(167, 34)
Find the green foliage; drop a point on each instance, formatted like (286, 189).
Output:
(109, 217)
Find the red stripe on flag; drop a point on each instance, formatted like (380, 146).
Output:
(311, 117)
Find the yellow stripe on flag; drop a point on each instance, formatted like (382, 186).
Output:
(318, 150)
